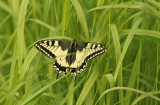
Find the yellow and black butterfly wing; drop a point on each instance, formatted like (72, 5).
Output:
(55, 49)
(85, 52)
(68, 55)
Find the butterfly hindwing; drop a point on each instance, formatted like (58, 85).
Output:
(60, 69)
(82, 67)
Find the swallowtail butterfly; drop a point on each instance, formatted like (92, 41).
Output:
(70, 56)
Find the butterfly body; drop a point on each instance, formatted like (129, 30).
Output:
(70, 56)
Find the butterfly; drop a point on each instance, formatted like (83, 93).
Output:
(71, 57)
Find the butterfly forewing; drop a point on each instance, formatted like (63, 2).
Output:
(53, 48)
(85, 52)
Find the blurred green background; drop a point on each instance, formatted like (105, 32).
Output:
(127, 74)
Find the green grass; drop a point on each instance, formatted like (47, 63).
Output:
(127, 74)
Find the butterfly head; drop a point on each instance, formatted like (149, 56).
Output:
(74, 43)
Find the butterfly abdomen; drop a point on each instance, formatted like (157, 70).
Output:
(71, 56)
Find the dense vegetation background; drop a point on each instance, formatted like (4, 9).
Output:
(127, 74)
